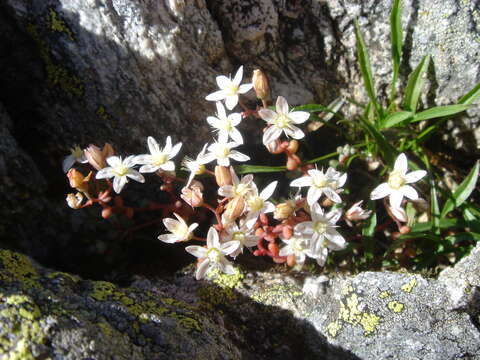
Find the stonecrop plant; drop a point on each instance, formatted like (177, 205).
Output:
(325, 212)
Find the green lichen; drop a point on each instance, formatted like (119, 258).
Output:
(333, 328)
(102, 290)
(58, 25)
(277, 294)
(395, 306)
(225, 280)
(57, 75)
(63, 276)
(384, 294)
(18, 268)
(408, 287)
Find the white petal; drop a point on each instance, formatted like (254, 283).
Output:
(271, 134)
(118, 183)
(202, 269)
(335, 240)
(302, 181)
(175, 150)
(313, 195)
(322, 257)
(286, 250)
(401, 164)
(168, 238)
(227, 268)
(168, 146)
(68, 163)
(114, 161)
(333, 216)
(152, 145)
(268, 191)
(223, 82)
(341, 181)
(380, 191)
(207, 158)
(300, 258)
(242, 89)
(268, 207)
(192, 227)
(235, 155)
(414, 176)
(229, 247)
(305, 227)
(198, 251)
(212, 238)
(216, 96)
(231, 101)
(168, 166)
(247, 179)
(130, 161)
(299, 117)
(214, 122)
(282, 105)
(171, 224)
(235, 118)
(143, 159)
(332, 195)
(135, 175)
(223, 162)
(236, 136)
(396, 198)
(400, 214)
(294, 132)
(105, 173)
(409, 192)
(222, 114)
(317, 212)
(267, 115)
(148, 168)
(238, 76)
(226, 191)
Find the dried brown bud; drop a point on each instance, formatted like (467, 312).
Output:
(75, 200)
(193, 195)
(78, 181)
(284, 210)
(235, 208)
(273, 248)
(96, 157)
(223, 175)
(260, 84)
(107, 212)
(405, 229)
(293, 146)
(291, 261)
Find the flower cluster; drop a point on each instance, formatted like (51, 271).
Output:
(246, 217)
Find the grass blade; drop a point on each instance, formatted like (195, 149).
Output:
(463, 192)
(439, 111)
(388, 150)
(395, 118)
(469, 97)
(415, 85)
(365, 68)
(396, 42)
(250, 169)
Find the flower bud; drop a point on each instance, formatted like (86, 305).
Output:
(96, 157)
(273, 248)
(78, 181)
(260, 84)
(356, 213)
(405, 229)
(291, 164)
(234, 208)
(223, 175)
(107, 212)
(193, 195)
(284, 210)
(75, 200)
(293, 146)
(291, 261)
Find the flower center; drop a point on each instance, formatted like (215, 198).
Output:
(214, 255)
(121, 170)
(256, 203)
(222, 152)
(320, 181)
(298, 245)
(159, 159)
(282, 121)
(396, 180)
(320, 227)
(226, 125)
(231, 90)
(239, 236)
(241, 189)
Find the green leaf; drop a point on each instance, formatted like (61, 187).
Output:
(327, 111)
(439, 111)
(311, 108)
(365, 68)
(415, 85)
(470, 97)
(435, 208)
(369, 230)
(388, 150)
(444, 224)
(250, 169)
(396, 41)
(462, 237)
(463, 191)
(395, 118)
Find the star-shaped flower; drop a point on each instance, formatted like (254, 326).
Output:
(179, 230)
(298, 245)
(76, 155)
(282, 121)
(242, 187)
(244, 234)
(229, 89)
(321, 183)
(120, 170)
(223, 152)
(197, 166)
(397, 185)
(257, 203)
(225, 125)
(158, 158)
(213, 255)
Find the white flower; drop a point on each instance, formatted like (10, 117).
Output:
(77, 155)
(396, 187)
(223, 152)
(226, 125)
(196, 167)
(213, 255)
(158, 159)
(356, 213)
(229, 89)
(321, 183)
(242, 187)
(282, 121)
(244, 234)
(179, 229)
(120, 171)
(257, 203)
(297, 245)
(323, 234)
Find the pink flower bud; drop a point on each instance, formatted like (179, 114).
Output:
(193, 195)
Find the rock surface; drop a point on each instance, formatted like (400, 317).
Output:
(249, 315)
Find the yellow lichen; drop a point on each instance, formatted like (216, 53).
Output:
(384, 294)
(369, 323)
(408, 287)
(277, 295)
(225, 280)
(395, 306)
(333, 328)
(58, 25)
(18, 267)
(63, 276)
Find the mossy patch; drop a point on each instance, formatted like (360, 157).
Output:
(58, 25)
(18, 268)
